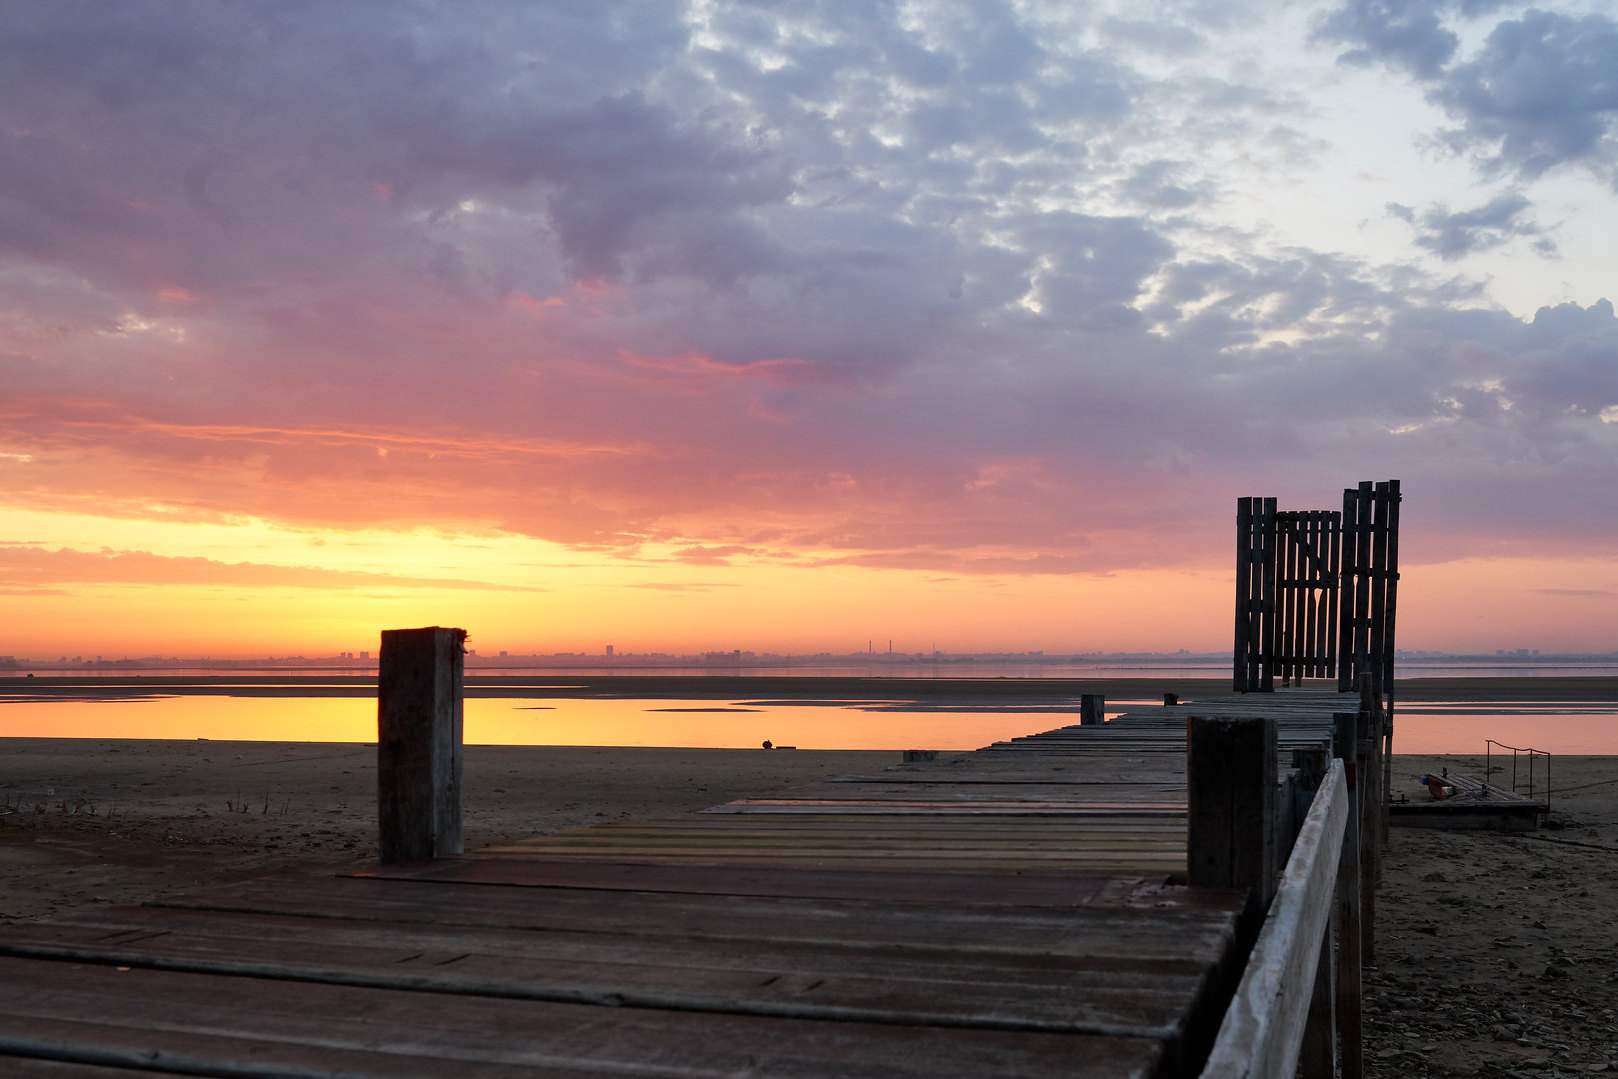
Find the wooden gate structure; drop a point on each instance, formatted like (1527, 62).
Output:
(1316, 590)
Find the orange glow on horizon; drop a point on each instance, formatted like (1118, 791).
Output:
(250, 588)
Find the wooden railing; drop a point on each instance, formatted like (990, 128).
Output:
(1297, 1009)
(1263, 1033)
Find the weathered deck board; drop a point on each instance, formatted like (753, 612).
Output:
(712, 917)
(867, 980)
(83, 1012)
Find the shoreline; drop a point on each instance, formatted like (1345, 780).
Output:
(1422, 688)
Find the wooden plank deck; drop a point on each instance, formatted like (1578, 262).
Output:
(1013, 911)
(1476, 805)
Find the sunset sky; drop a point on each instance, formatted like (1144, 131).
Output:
(789, 326)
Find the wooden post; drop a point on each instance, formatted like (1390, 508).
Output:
(1394, 498)
(1350, 939)
(1317, 1058)
(418, 747)
(1369, 775)
(1171, 699)
(1092, 709)
(1310, 766)
(1373, 794)
(1231, 794)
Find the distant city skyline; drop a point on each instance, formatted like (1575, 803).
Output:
(721, 657)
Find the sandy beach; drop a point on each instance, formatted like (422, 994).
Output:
(1497, 952)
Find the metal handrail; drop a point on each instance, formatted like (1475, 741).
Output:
(1488, 750)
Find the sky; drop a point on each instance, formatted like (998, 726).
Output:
(792, 326)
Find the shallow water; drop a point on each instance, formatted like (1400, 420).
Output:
(1445, 727)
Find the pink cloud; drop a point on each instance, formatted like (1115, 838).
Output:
(33, 570)
(695, 370)
(638, 292)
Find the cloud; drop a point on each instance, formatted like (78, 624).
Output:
(698, 555)
(1454, 235)
(682, 586)
(1407, 34)
(34, 570)
(1153, 184)
(963, 293)
(1539, 93)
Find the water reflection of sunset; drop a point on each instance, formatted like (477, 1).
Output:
(1592, 729)
(558, 721)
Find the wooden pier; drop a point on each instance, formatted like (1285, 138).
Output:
(1184, 890)
(1475, 804)
(1022, 910)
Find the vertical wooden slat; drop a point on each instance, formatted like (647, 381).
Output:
(1306, 596)
(1241, 680)
(1377, 629)
(1267, 567)
(1278, 605)
(1278, 609)
(1345, 589)
(1356, 600)
(1334, 554)
(418, 749)
(1291, 643)
(1311, 594)
(1363, 539)
(1326, 587)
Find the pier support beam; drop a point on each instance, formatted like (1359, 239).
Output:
(418, 746)
(1092, 709)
